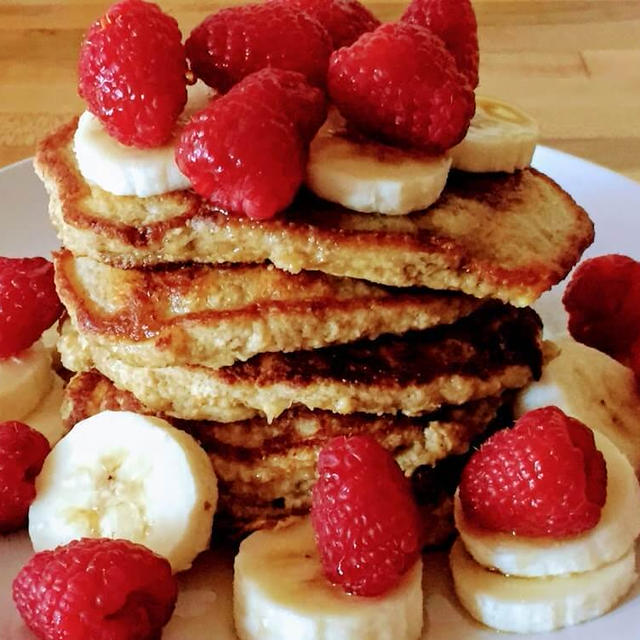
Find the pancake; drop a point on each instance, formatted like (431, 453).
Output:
(266, 471)
(506, 236)
(494, 349)
(215, 315)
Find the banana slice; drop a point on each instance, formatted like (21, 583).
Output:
(281, 593)
(371, 177)
(532, 605)
(25, 380)
(123, 475)
(50, 340)
(46, 417)
(610, 539)
(593, 388)
(129, 171)
(500, 138)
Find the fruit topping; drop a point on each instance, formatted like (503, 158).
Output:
(603, 303)
(500, 138)
(25, 381)
(543, 478)
(536, 605)
(131, 72)
(365, 519)
(455, 22)
(29, 303)
(345, 20)
(234, 42)
(280, 593)
(400, 84)
(592, 387)
(247, 151)
(288, 95)
(367, 176)
(100, 481)
(605, 543)
(22, 453)
(96, 588)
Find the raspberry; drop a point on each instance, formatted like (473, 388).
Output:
(455, 22)
(96, 588)
(286, 92)
(345, 20)
(132, 73)
(29, 303)
(235, 42)
(400, 84)
(22, 453)
(246, 152)
(365, 519)
(543, 478)
(603, 303)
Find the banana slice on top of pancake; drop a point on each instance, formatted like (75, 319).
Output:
(367, 176)
(130, 171)
(501, 137)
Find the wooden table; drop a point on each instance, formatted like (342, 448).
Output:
(573, 64)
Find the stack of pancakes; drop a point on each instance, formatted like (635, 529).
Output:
(265, 339)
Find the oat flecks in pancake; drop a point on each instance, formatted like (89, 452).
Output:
(507, 236)
(266, 471)
(494, 349)
(213, 315)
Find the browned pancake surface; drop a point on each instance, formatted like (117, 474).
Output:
(493, 349)
(495, 336)
(266, 471)
(509, 236)
(216, 314)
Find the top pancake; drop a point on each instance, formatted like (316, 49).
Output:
(507, 236)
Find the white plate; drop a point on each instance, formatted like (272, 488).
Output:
(204, 606)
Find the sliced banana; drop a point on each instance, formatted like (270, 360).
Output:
(25, 380)
(500, 138)
(49, 338)
(532, 605)
(129, 171)
(280, 592)
(610, 539)
(46, 417)
(124, 475)
(593, 388)
(371, 177)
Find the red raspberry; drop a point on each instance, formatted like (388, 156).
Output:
(286, 92)
(132, 73)
(603, 303)
(399, 83)
(345, 20)
(543, 478)
(235, 42)
(365, 519)
(29, 303)
(96, 588)
(455, 22)
(22, 453)
(247, 151)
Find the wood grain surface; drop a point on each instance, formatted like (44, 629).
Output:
(573, 64)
